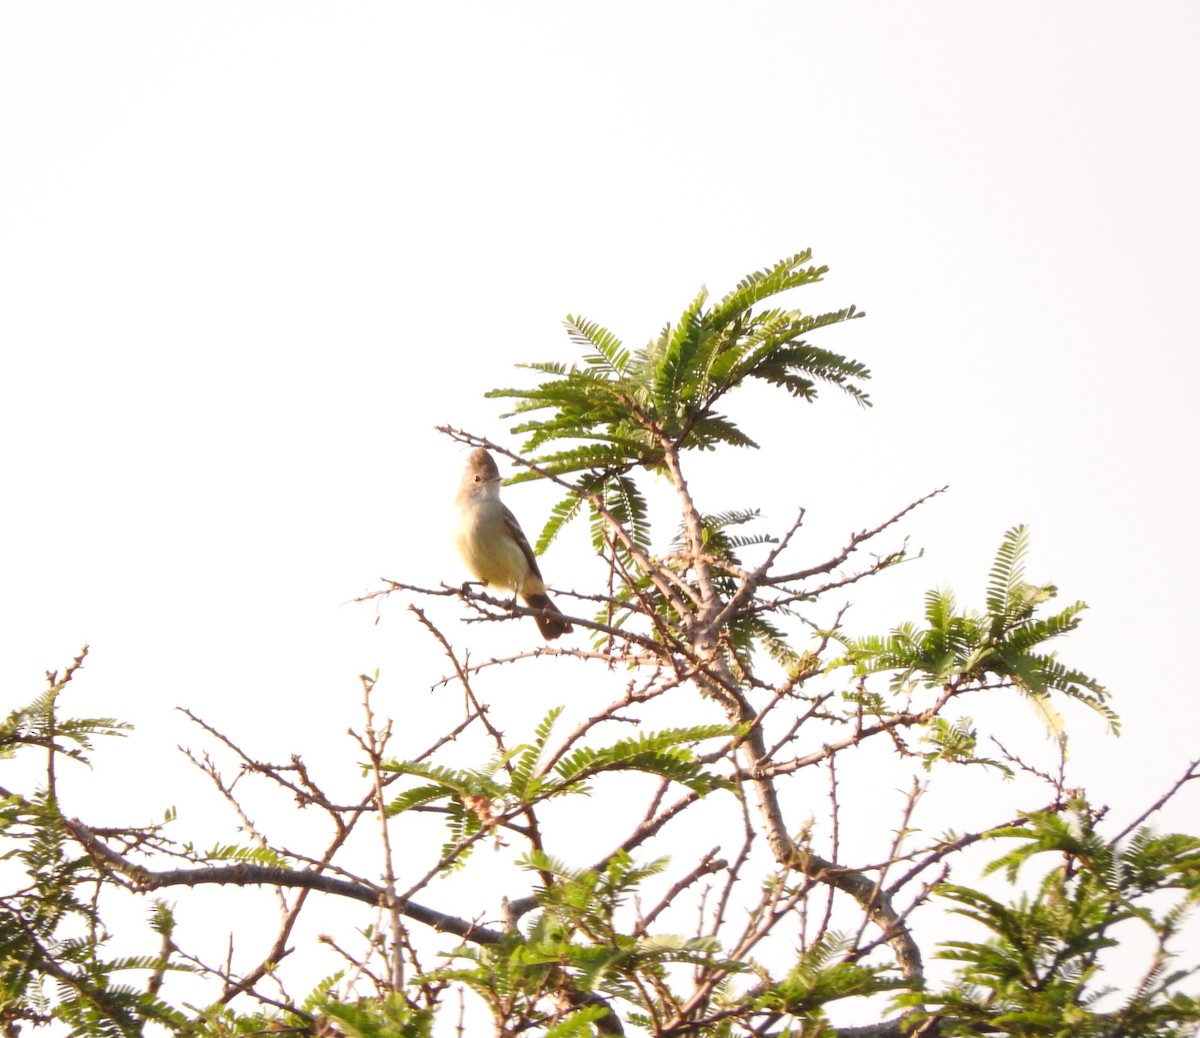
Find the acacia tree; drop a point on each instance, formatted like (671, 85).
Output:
(736, 892)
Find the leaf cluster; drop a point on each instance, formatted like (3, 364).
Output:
(53, 965)
(1040, 970)
(475, 800)
(1001, 646)
(593, 423)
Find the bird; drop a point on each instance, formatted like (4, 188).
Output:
(493, 546)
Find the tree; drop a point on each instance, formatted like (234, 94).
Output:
(737, 891)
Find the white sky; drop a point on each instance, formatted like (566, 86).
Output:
(250, 254)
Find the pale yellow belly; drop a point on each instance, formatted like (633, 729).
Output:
(492, 555)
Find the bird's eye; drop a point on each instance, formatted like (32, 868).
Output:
(478, 477)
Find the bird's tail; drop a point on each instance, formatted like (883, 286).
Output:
(553, 623)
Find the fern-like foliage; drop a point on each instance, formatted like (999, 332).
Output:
(580, 932)
(666, 754)
(1000, 646)
(824, 973)
(620, 410)
(391, 1017)
(473, 800)
(256, 855)
(749, 629)
(39, 724)
(956, 741)
(54, 964)
(1039, 967)
(525, 783)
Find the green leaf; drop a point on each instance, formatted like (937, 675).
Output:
(606, 346)
(660, 753)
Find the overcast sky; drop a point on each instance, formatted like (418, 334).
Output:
(251, 253)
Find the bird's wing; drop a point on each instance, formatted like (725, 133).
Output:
(518, 535)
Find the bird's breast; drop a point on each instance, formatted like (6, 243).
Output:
(488, 550)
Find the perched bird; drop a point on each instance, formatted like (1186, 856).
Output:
(490, 541)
